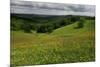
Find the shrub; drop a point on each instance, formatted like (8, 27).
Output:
(80, 24)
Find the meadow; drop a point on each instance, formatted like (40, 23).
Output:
(63, 45)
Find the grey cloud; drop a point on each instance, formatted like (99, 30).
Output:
(28, 7)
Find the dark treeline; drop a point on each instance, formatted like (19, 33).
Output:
(43, 24)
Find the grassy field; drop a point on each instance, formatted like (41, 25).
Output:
(63, 45)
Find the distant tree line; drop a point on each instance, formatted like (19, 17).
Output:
(45, 25)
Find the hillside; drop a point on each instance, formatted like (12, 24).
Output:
(70, 29)
(65, 44)
(43, 23)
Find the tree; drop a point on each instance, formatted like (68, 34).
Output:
(80, 24)
(50, 28)
(63, 23)
(26, 27)
(41, 29)
(56, 25)
(75, 18)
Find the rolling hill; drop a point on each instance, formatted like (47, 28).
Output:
(64, 45)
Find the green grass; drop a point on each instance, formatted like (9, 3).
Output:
(63, 45)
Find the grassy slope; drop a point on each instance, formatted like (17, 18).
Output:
(63, 45)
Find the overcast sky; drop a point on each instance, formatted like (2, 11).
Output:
(31, 7)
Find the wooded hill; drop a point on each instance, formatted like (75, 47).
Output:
(44, 23)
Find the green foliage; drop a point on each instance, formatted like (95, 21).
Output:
(63, 23)
(75, 18)
(44, 24)
(80, 23)
(63, 45)
(26, 27)
(16, 23)
(42, 29)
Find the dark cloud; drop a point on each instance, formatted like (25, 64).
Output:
(51, 8)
